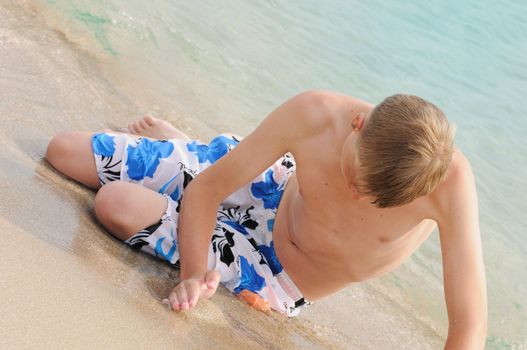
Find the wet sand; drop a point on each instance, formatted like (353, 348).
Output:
(66, 283)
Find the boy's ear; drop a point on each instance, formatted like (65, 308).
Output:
(358, 121)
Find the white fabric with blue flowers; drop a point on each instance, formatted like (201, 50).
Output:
(241, 247)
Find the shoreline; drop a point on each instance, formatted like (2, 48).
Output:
(71, 283)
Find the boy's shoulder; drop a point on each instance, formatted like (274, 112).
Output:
(456, 194)
(459, 175)
(319, 110)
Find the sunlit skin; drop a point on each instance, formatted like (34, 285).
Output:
(327, 234)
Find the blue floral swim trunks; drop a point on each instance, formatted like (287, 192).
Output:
(242, 248)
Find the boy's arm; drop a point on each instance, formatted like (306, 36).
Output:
(275, 136)
(463, 269)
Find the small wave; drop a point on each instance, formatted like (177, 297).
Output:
(72, 33)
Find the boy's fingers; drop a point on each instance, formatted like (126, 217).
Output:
(175, 299)
(187, 293)
(175, 304)
(212, 279)
(193, 294)
(193, 299)
(182, 297)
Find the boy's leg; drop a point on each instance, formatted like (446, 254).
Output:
(71, 153)
(125, 208)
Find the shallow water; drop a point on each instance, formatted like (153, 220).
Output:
(212, 67)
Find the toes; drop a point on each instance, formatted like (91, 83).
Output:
(142, 124)
(149, 120)
(131, 128)
(136, 127)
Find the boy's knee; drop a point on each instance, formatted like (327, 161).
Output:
(107, 201)
(59, 147)
(110, 208)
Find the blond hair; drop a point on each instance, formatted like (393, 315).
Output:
(405, 149)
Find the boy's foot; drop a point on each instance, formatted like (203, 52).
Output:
(155, 128)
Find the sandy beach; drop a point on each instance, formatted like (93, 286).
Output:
(66, 283)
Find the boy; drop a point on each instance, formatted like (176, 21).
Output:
(365, 186)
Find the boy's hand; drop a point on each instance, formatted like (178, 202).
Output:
(187, 293)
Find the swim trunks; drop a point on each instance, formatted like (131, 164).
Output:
(242, 248)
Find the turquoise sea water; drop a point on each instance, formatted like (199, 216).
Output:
(227, 64)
